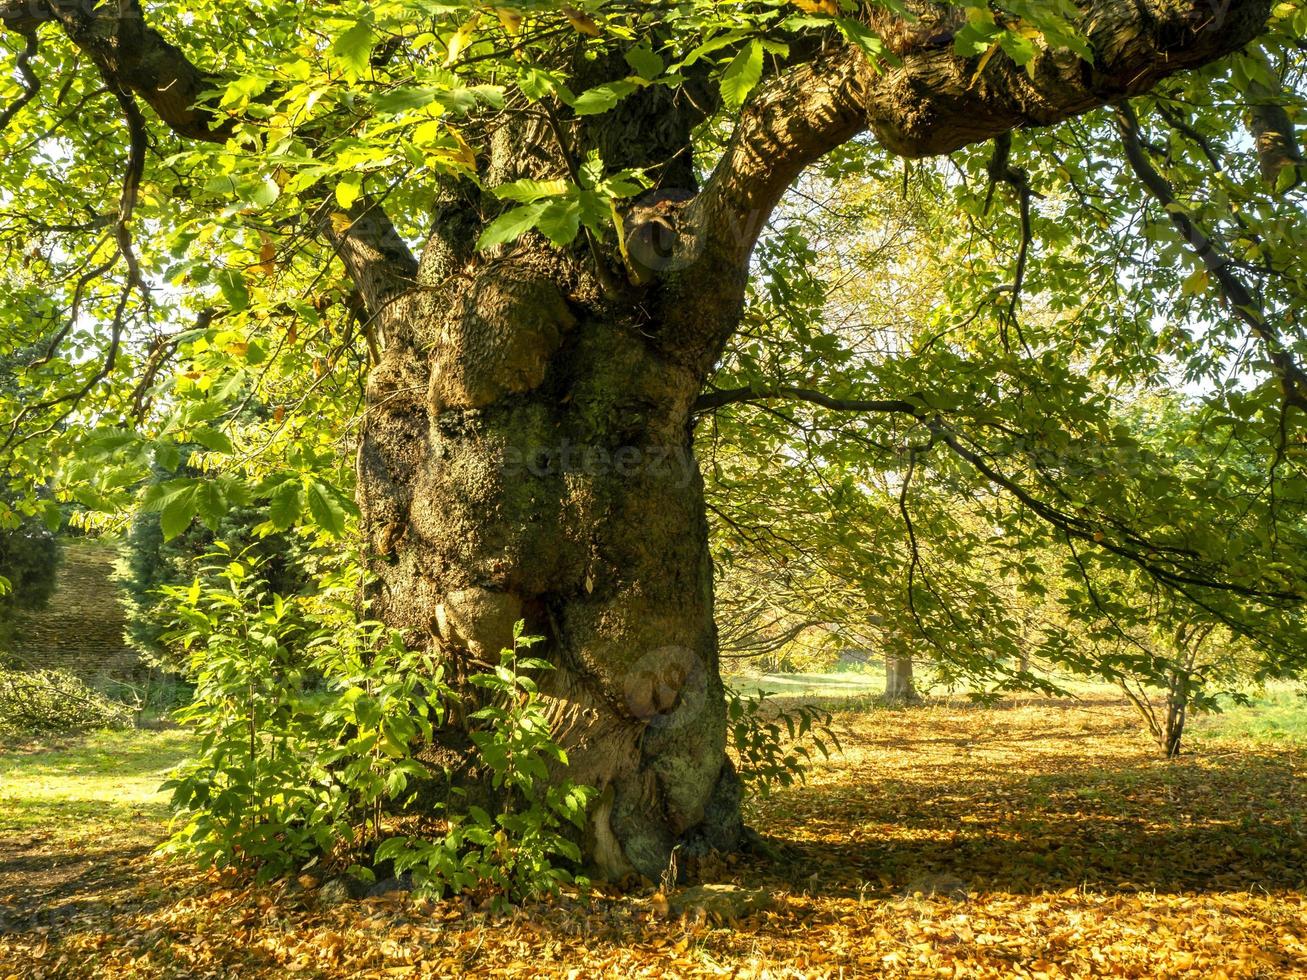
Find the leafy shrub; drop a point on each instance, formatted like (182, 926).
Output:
(309, 724)
(514, 855)
(149, 564)
(307, 720)
(772, 744)
(29, 560)
(54, 702)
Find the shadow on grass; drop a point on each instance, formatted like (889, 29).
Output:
(1196, 825)
(69, 889)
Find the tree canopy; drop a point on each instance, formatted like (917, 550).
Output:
(1025, 301)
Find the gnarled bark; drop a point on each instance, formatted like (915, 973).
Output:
(527, 456)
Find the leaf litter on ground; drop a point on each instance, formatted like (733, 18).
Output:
(1033, 839)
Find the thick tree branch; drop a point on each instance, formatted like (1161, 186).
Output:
(795, 119)
(935, 102)
(375, 256)
(1276, 141)
(138, 59)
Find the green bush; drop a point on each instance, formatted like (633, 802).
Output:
(310, 722)
(514, 855)
(54, 702)
(29, 561)
(148, 565)
(307, 720)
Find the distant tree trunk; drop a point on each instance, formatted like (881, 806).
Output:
(1167, 727)
(1173, 731)
(1179, 690)
(899, 686)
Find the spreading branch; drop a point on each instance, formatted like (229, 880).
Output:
(1219, 267)
(1184, 572)
(138, 62)
(934, 102)
(377, 259)
(712, 400)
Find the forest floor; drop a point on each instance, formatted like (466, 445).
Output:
(1036, 839)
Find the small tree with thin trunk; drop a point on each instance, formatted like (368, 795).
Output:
(1179, 676)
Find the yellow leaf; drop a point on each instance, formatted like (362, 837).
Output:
(464, 155)
(829, 7)
(267, 256)
(461, 39)
(583, 22)
(340, 222)
(984, 60)
(1195, 283)
(511, 20)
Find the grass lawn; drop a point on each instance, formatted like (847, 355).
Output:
(1278, 715)
(1035, 838)
(84, 789)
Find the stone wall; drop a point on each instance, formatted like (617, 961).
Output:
(81, 630)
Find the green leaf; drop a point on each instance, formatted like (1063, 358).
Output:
(353, 48)
(211, 503)
(52, 515)
(560, 221)
(213, 440)
(286, 506)
(742, 74)
(234, 288)
(511, 225)
(328, 507)
(536, 84)
(348, 190)
(405, 99)
(601, 98)
(525, 191)
(178, 513)
(861, 35)
(644, 62)
(1019, 48)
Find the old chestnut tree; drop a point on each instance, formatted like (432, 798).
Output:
(477, 274)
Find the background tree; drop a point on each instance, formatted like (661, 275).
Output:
(29, 563)
(533, 228)
(29, 549)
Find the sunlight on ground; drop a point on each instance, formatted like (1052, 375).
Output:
(74, 789)
(1037, 838)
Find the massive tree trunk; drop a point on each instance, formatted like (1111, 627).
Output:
(527, 449)
(528, 457)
